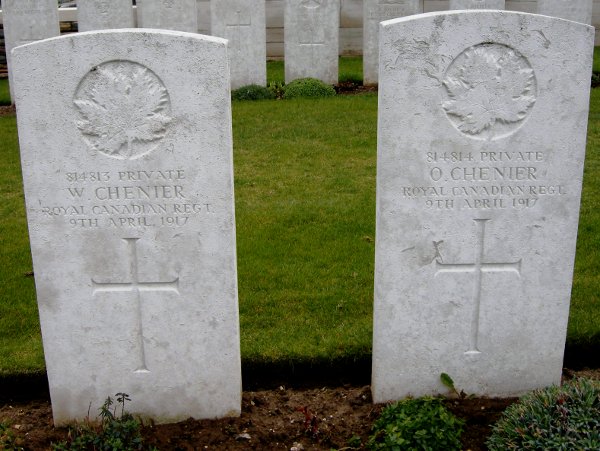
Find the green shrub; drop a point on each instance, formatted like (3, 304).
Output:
(277, 88)
(422, 423)
(307, 87)
(252, 92)
(595, 79)
(116, 431)
(555, 418)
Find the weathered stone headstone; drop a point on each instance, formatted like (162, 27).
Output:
(481, 142)
(577, 10)
(375, 11)
(477, 4)
(311, 39)
(27, 21)
(127, 164)
(104, 14)
(243, 24)
(181, 15)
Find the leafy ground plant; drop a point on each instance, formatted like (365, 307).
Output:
(307, 87)
(566, 417)
(422, 423)
(7, 438)
(117, 430)
(252, 92)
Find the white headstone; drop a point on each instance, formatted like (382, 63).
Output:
(27, 21)
(127, 164)
(375, 11)
(577, 10)
(311, 35)
(181, 15)
(243, 24)
(477, 4)
(481, 142)
(104, 14)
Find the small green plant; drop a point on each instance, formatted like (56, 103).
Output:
(422, 423)
(117, 430)
(277, 88)
(307, 87)
(595, 79)
(7, 438)
(566, 417)
(448, 382)
(354, 442)
(252, 92)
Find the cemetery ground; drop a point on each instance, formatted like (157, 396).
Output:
(305, 215)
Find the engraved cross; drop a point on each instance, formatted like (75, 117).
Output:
(237, 39)
(137, 287)
(478, 268)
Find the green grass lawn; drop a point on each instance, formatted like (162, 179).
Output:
(305, 209)
(596, 67)
(4, 92)
(584, 322)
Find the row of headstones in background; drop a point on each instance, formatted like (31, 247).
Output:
(25, 22)
(178, 15)
(103, 15)
(126, 152)
(243, 23)
(577, 10)
(111, 14)
(310, 27)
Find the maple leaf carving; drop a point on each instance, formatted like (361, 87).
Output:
(491, 83)
(123, 108)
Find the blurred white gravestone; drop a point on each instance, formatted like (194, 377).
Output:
(481, 143)
(577, 10)
(181, 15)
(375, 11)
(104, 14)
(27, 21)
(126, 152)
(311, 35)
(477, 4)
(243, 24)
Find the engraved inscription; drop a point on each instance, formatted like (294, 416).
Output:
(137, 287)
(489, 90)
(129, 200)
(484, 180)
(478, 268)
(168, 3)
(103, 7)
(124, 109)
(23, 7)
(386, 9)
